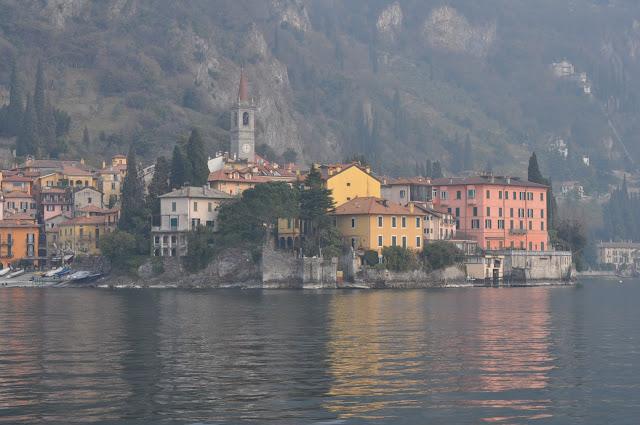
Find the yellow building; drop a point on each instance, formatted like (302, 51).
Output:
(51, 179)
(370, 223)
(78, 177)
(81, 235)
(18, 242)
(349, 181)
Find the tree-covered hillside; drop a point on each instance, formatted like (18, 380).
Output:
(465, 82)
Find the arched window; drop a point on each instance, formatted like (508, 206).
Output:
(245, 119)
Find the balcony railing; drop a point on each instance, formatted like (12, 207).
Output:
(518, 231)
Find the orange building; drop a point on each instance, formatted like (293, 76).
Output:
(18, 241)
(497, 212)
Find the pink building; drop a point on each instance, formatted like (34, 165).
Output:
(55, 201)
(498, 212)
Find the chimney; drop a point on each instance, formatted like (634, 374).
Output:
(82, 161)
(508, 180)
(411, 207)
(104, 164)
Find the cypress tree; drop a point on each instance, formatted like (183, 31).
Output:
(133, 214)
(428, 168)
(178, 172)
(15, 110)
(159, 186)
(48, 130)
(86, 139)
(197, 158)
(437, 170)
(534, 175)
(27, 142)
(39, 99)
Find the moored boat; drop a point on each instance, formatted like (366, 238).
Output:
(15, 273)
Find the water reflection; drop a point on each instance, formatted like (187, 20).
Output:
(288, 357)
(386, 356)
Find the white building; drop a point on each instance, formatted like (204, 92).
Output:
(182, 211)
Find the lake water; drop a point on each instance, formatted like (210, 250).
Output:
(564, 355)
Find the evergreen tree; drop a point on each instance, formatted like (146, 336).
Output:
(437, 170)
(39, 98)
(197, 158)
(27, 142)
(534, 175)
(428, 168)
(134, 217)
(48, 131)
(315, 202)
(159, 186)
(467, 155)
(178, 172)
(15, 110)
(86, 139)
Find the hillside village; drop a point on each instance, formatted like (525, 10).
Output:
(57, 210)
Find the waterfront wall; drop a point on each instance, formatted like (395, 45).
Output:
(372, 278)
(525, 266)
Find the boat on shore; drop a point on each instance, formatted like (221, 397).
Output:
(5, 272)
(15, 273)
(83, 276)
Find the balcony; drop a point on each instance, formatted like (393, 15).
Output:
(518, 232)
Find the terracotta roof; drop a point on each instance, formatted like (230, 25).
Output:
(371, 205)
(224, 175)
(10, 223)
(324, 170)
(119, 155)
(17, 194)
(437, 211)
(75, 171)
(17, 178)
(485, 180)
(422, 181)
(19, 216)
(196, 192)
(95, 209)
(84, 220)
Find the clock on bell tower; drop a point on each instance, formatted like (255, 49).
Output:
(243, 124)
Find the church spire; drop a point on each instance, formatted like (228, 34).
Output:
(243, 90)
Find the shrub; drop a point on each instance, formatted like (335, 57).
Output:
(440, 254)
(370, 257)
(399, 259)
(120, 248)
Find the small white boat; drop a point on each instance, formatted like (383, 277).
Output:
(53, 272)
(16, 273)
(82, 274)
(5, 272)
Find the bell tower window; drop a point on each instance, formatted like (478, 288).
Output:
(245, 119)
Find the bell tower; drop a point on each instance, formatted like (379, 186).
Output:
(243, 130)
